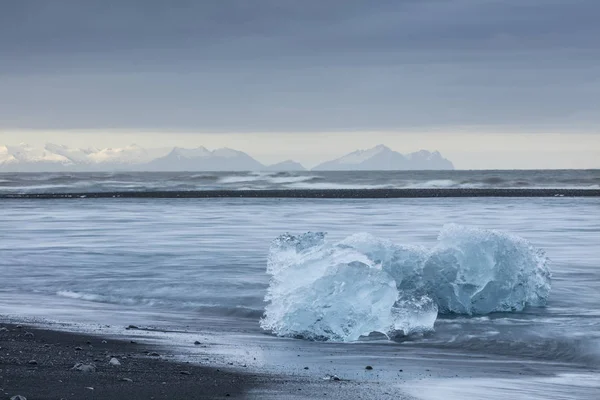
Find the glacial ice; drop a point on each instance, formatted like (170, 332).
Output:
(362, 284)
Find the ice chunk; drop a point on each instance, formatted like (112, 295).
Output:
(336, 292)
(365, 284)
(478, 271)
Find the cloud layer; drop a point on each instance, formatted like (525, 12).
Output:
(282, 65)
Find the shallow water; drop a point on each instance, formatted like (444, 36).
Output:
(179, 262)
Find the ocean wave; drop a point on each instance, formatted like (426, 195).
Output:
(292, 179)
(171, 304)
(435, 183)
(365, 284)
(231, 179)
(583, 350)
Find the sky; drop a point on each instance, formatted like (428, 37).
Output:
(489, 83)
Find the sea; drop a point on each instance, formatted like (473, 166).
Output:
(197, 268)
(182, 181)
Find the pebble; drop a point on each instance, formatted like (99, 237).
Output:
(84, 367)
(78, 349)
(104, 342)
(185, 372)
(197, 343)
(114, 362)
(3, 329)
(29, 334)
(132, 327)
(368, 367)
(18, 397)
(32, 362)
(126, 380)
(154, 354)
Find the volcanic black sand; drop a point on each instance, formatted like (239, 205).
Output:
(317, 194)
(38, 364)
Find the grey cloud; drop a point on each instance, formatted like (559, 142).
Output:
(298, 65)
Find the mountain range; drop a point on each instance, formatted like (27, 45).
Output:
(54, 158)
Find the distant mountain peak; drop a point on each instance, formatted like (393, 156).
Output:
(202, 159)
(381, 147)
(287, 165)
(383, 158)
(200, 151)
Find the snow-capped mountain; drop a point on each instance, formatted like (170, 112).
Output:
(202, 159)
(129, 155)
(288, 165)
(6, 157)
(26, 158)
(382, 158)
(53, 157)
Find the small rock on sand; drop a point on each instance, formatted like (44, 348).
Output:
(185, 372)
(18, 397)
(154, 354)
(132, 327)
(126, 380)
(197, 343)
(114, 362)
(29, 334)
(104, 342)
(368, 367)
(32, 362)
(3, 329)
(84, 367)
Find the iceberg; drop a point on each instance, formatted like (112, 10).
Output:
(332, 292)
(363, 284)
(479, 271)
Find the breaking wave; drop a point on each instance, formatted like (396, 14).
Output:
(363, 284)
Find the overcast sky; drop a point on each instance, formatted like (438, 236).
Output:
(490, 83)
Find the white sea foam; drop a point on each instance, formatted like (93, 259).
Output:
(243, 178)
(365, 284)
(291, 179)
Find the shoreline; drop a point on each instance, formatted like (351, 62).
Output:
(38, 361)
(42, 363)
(316, 193)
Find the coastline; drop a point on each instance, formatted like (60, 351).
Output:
(314, 193)
(40, 363)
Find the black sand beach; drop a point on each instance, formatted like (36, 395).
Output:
(38, 364)
(316, 193)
